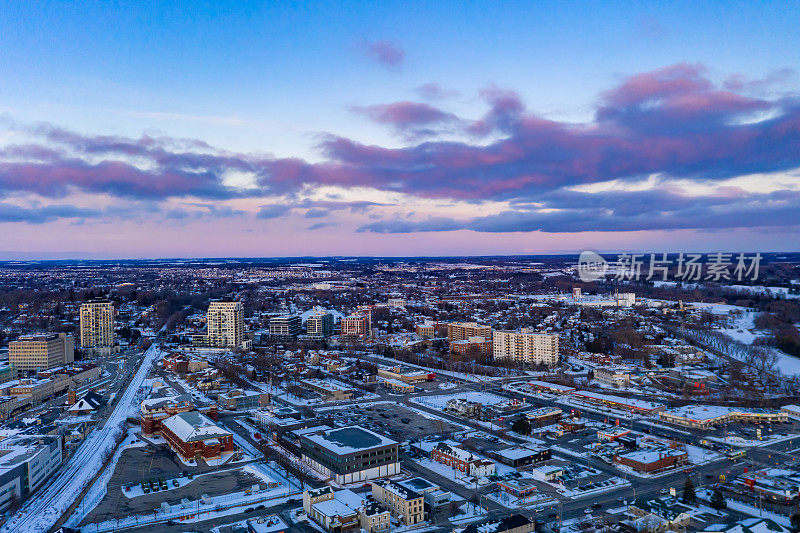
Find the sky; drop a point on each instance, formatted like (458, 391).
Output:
(254, 129)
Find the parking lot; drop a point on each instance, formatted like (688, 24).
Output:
(137, 464)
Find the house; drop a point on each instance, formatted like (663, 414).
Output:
(89, 403)
(332, 514)
(748, 525)
(344, 510)
(659, 515)
(462, 460)
(239, 400)
(463, 407)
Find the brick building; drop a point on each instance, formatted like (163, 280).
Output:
(462, 460)
(192, 434)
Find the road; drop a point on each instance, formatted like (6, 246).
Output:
(44, 508)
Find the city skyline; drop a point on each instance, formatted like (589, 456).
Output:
(398, 130)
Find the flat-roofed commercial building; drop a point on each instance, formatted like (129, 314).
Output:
(350, 454)
(705, 416)
(285, 326)
(225, 321)
(406, 504)
(617, 402)
(25, 463)
(653, 460)
(97, 326)
(461, 331)
(526, 346)
(40, 352)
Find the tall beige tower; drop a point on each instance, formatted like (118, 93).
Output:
(97, 325)
(225, 324)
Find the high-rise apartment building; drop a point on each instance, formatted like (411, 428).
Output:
(319, 324)
(225, 322)
(285, 325)
(40, 352)
(461, 331)
(97, 326)
(355, 325)
(526, 346)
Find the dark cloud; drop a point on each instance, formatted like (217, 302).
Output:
(316, 213)
(320, 225)
(273, 211)
(571, 212)
(42, 214)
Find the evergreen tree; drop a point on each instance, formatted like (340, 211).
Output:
(718, 501)
(689, 495)
(795, 522)
(522, 426)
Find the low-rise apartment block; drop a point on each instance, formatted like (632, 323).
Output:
(406, 504)
(460, 331)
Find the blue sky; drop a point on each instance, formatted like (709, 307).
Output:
(276, 78)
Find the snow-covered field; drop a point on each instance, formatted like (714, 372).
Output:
(99, 489)
(45, 507)
(741, 327)
(439, 402)
(512, 502)
(199, 510)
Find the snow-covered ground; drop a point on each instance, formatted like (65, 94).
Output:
(199, 510)
(705, 494)
(45, 507)
(741, 327)
(537, 499)
(766, 440)
(99, 489)
(440, 401)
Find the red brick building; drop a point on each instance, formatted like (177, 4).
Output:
(192, 434)
(653, 460)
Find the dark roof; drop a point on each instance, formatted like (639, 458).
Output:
(504, 524)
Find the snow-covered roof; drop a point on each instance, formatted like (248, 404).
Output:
(194, 426)
(348, 440)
